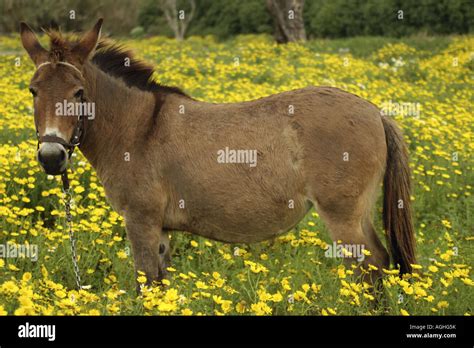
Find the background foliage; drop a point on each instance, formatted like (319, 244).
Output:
(224, 18)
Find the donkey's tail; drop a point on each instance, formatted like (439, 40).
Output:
(396, 199)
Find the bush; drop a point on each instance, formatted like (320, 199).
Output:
(345, 18)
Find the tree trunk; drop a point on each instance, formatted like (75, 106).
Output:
(288, 20)
(177, 19)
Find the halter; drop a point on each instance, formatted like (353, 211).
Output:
(62, 63)
(79, 130)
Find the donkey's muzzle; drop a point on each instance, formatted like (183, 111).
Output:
(53, 158)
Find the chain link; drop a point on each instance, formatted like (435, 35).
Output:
(67, 207)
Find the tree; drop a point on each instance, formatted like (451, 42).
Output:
(288, 20)
(177, 20)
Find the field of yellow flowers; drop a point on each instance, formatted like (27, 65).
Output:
(425, 84)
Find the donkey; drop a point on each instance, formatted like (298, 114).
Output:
(156, 151)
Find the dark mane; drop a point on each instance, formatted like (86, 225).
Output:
(111, 58)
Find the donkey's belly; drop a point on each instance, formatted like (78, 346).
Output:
(248, 224)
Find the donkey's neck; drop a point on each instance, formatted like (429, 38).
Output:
(122, 115)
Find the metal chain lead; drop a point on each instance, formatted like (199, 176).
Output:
(67, 207)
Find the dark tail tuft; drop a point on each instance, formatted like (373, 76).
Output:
(397, 217)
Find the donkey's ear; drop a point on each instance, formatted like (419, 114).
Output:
(88, 42)
(31, 44)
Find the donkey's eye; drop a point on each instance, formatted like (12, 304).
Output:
(79, 94)
(33, 92)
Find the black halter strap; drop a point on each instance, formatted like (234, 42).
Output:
(77, 136)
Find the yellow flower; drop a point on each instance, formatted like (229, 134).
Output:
(122, 254)
(79, 189)
(226, 306)
(3, 311)
(9, 287)
(446, 223)
(404, 312)
(167, 307)
(315, 288)
(12, 267)
(277, 297)
(60, 293)
(285, 284)
(341, 272)
(219, 283)
(26, 276)
(467, 281)
(256, 267)
(201, 285)
(25, 311)
(263, 295)
(369, 297)
(442, 304)
(261, 308)
(171, 295)
(240, 307)
(186, 311)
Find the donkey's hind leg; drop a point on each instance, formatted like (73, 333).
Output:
(350, 231)
(377, 248)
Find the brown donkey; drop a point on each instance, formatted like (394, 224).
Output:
(238, 173)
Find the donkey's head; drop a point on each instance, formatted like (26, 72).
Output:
(58, 81)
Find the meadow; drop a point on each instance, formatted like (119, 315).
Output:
(424, 83)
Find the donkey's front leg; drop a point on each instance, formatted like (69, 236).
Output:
(150, 246)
